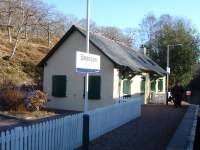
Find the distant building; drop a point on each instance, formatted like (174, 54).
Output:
(124, 73)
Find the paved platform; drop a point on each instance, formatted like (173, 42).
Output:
(197, 135)
(184, 136)
(152, 131)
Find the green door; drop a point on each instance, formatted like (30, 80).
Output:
(126, 87)
(142, 86)
(153, 86)
(160, 85)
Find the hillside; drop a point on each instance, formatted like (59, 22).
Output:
(22, 67)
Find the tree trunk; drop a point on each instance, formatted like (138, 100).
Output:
(9, 34)
(17, 40)
(26, 32)
(49, 40)
(14, 48)
(18, 33)
(9, 31)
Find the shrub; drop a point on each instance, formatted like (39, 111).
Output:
(36, 100)
(15, 98)
(11, 97)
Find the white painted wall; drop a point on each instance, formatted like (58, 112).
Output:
(159, 97)
(116, 84)
(147, 92)
(136, 85)
(62, 62)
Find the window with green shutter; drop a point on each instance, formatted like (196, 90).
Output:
(94, 88)
(160, 85)
(142, 86)
(126, 87)
(59, 85)
(153, 86)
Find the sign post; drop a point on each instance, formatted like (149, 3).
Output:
(87, 51)
(86, 62)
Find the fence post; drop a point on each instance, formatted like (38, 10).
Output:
(86, 137)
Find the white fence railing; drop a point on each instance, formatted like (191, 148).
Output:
(105, 119)
(159, 98)
(59, 134)
(127, 99)
(66, 133)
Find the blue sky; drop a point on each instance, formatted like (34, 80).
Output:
(129, 13)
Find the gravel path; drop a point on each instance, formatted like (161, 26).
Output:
(7, 122)
(152, 131)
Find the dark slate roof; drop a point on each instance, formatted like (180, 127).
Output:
(145, 61)
(117, 53)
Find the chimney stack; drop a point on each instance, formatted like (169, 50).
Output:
(143, 49)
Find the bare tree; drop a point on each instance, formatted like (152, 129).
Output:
(32, 19)
(7, 10)
(93, 26)
(131, 36)
(25, 12)
(118, 35)
(147, 28)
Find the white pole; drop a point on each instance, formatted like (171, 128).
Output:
(167, 84)
(168, 71)
(87, 50)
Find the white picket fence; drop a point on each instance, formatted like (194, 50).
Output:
(59, 134)
(127, 99)
(159, 98)
(66, 133)
(105, 119)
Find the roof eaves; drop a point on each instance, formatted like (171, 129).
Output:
(58, 44)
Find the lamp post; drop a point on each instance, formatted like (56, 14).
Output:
(168, 69)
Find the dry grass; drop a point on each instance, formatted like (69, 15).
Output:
(28, 115)
(22, 68)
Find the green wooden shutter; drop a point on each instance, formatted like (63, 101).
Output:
(153, 86)
(94, 89)
(160, 85)
(126, 86)
(59, 85)
(142, 86)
